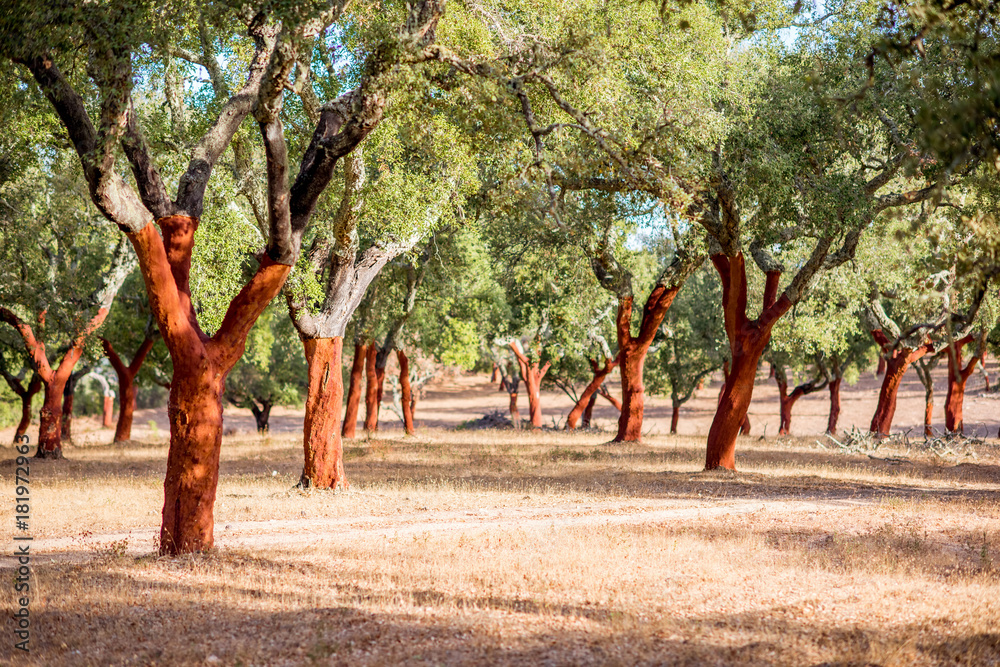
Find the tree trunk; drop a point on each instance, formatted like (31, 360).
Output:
(406, 392)
(50, 419)
(354, 390)
(731, 414)
(747, 340)
(261, 415)
(880, 369)
(34, 386)
(632, 356)
(591, 391)
(108, 413)
(787, 401)
(675, 413)
(588, 412)
(511, 383)
(126, 407)
(957, 378)
(928, 410)
(69, 393)
(831, 424)
(899, 359)
(126, 384)
(324, 453)
(532, 376)
(201, 364)
(195, 412)
(371, 390)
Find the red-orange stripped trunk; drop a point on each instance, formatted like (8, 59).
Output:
(603, 391)
(324, 463)
(354, 390)
(600, 373)
(201, 364)
(126, 385)
(897, 360)
(406, 392)
(957, 378)
(53, 380)
(632, 356)
(787, 400)
(532, 376)
(747, 340)
(371, 390)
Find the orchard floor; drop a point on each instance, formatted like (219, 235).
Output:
(521, 548)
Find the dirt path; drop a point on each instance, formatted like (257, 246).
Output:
(293, 533)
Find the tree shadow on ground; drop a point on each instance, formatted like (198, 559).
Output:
(182, 611)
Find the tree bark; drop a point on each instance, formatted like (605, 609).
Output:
(54, 380)
(406, 392)
(675, 413)
(532, 376)
(880, 369)
(126, 385)
(354, 390)
(957, 378)
(831, 424)
(632, 356)
(371, 390)
(588, 412)
(787, 401)
(897, 360)
(201, 364)
(511, 384)
(261, 415)
(324, 452)
(600, 373)
(747, 340)
(26, 394)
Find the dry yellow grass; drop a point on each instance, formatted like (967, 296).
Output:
(521, 548)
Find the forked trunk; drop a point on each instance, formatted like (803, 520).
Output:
(957, 378)
(261, 415)
(600, 372)
(897, 360)
(787, 401)
(324, 452)
(34, 386)
(831, 424)
(371, 390)
(406, 392)
(747, 340)
(532, 376)
(354, 390)
(126, 384)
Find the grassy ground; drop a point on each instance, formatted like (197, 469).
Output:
(521, 548)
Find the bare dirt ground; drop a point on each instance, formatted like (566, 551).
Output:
(501, 547)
